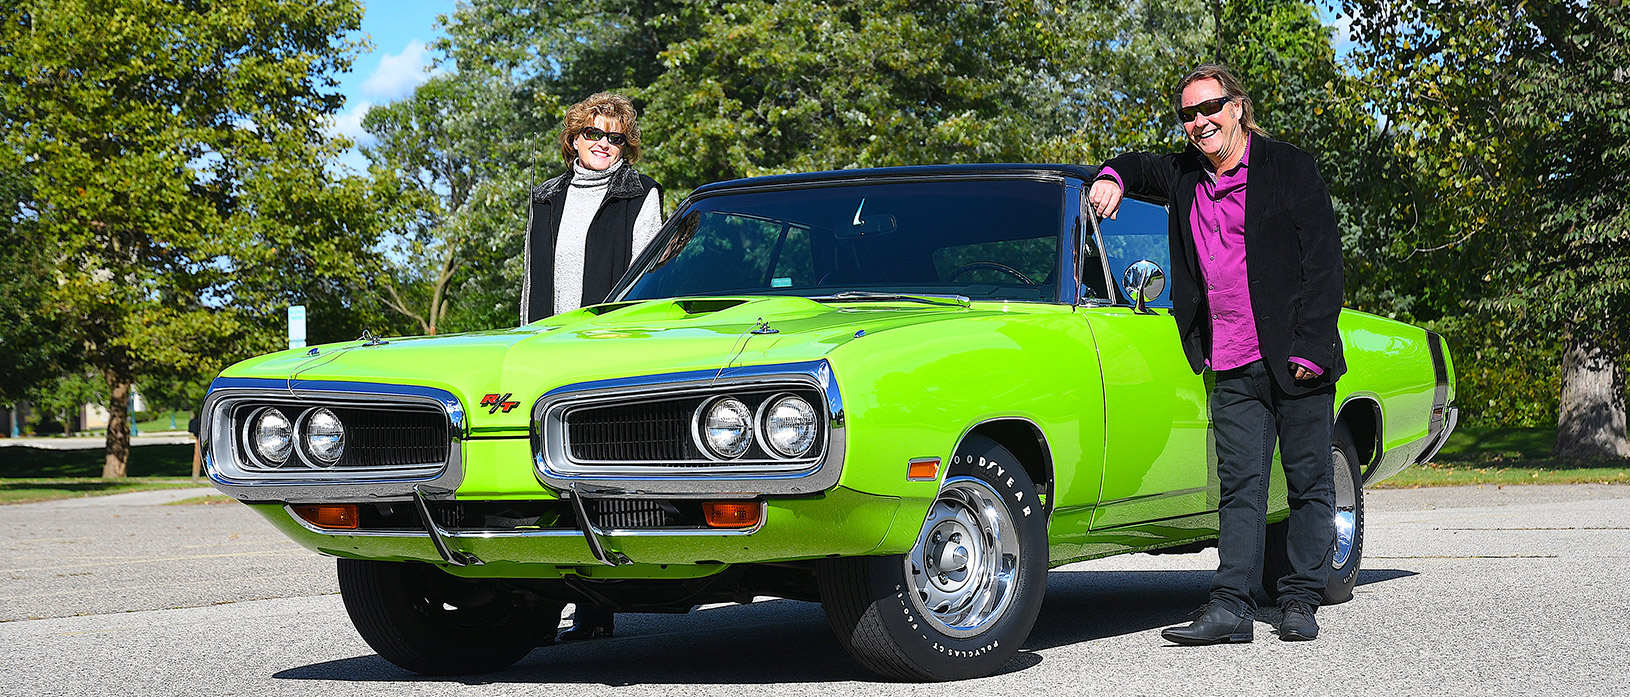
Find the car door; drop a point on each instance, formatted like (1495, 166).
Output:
(1159, 461)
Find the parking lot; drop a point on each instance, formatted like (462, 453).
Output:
(1470, 590)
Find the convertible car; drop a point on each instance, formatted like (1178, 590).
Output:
(902, 393)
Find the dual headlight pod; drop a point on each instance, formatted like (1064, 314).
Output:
(785, 425)
(318, 434)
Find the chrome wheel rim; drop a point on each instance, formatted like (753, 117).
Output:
(963, 570)
(1346, 509)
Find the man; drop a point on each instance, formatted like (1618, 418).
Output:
(1256, 290)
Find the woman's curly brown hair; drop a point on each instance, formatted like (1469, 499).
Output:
(610, 105)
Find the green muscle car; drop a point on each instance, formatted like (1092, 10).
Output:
(903, 393)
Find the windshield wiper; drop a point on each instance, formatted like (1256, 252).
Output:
(868, 296)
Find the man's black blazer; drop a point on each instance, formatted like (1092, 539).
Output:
(1292, 255)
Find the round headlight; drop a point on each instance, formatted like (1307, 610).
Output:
(324, 437)
(727, 428)
(272, 436)
(789, 426)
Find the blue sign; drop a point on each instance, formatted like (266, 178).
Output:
(297, 326)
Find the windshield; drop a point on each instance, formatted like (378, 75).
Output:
(981, 239)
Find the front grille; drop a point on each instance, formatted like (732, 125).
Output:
(632, 513)
(523, 516)
(380, 438)
(375, 437)
(658, 433)
(633, 432)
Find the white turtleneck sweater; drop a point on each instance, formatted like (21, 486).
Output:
(583, 200)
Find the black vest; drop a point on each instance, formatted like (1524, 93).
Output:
(608, 250)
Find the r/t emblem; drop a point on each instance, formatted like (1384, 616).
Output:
(495, 403)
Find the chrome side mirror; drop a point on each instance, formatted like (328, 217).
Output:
(1143, 281)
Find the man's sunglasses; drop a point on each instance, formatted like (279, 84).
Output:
(593, 135)
(1208, 107)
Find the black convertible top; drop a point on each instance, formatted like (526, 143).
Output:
(1084, 172)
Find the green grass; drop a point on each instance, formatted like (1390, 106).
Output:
(28, 490)
(36, 474)
(1506, 456)
(207, 500)
(145, 461)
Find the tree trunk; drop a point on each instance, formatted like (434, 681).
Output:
(118, 441)
(1590, 422)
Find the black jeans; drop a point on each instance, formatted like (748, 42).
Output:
(1249, 412)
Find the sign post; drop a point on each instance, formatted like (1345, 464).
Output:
(297, 326)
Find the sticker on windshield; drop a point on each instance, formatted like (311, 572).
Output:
(781, 282)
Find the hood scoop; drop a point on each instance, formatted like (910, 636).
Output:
(663, 309)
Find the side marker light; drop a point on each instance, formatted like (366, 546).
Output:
(923, 469)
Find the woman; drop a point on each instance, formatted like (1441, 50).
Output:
(587, 225)
(584, 230)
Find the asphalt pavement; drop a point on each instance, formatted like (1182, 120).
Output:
(1472, 590)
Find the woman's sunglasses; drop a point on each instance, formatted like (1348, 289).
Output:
(593, 135)
(1208, 107)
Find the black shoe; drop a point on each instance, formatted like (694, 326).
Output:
(1298, 623)
(1216, 625)
(590, 622)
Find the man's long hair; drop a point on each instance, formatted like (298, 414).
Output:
(1231, 87)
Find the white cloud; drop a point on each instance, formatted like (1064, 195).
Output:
(348, 123)
(399, 73)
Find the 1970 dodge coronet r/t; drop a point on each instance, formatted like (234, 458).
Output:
(902, 393)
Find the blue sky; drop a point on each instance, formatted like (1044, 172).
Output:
(401, 32)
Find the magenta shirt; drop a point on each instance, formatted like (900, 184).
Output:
(1217, 222)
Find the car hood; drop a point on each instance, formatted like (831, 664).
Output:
(600, 342)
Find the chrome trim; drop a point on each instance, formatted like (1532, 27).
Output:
(1103, 253)
(600, 548)
(1451, 418)
(438, 536)
(557, 470)
(225, 464)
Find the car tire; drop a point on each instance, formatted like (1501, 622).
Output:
(428, 621)
(1348, 554)
(900, 621)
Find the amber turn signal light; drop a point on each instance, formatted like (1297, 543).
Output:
(731, 514)
(333, 517)
(923, 469)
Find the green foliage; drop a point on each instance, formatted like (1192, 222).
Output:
(58, 401)
(1506, 120)
(448, 198)
(173, 157)
(794, 86)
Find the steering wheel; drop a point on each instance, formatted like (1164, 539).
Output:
(1004, 268)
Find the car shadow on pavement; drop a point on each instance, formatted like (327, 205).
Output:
(786, 641)
(1086, 606)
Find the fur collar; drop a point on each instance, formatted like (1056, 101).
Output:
(625, 183)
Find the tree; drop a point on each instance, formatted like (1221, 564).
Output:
(1512, 114)
(770, 87)
(61, 398)
(31, 330)
(436, 176)
(174, 157)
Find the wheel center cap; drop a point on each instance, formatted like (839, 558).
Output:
(953, 558)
